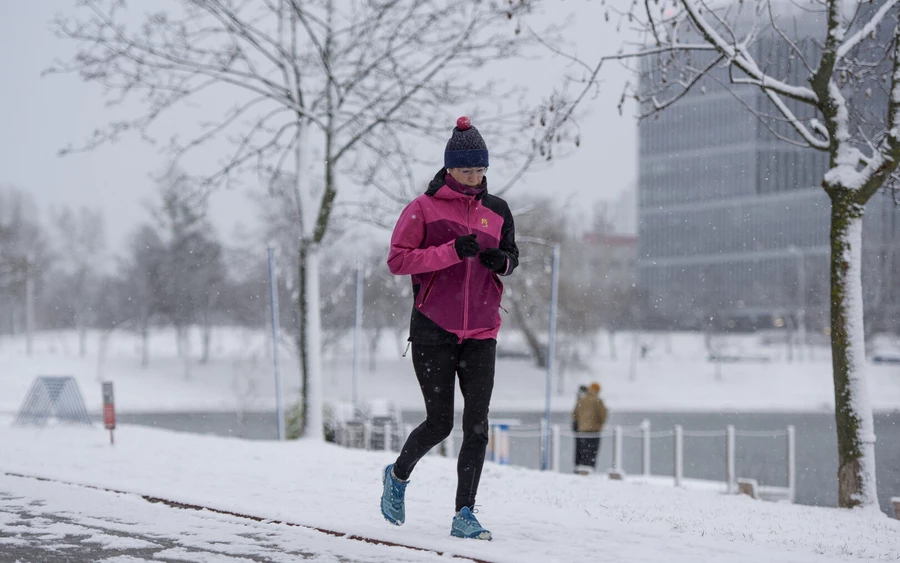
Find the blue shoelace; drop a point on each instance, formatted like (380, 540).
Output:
(397, 491)
(471, 517)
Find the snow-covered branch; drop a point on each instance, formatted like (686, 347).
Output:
(737, 54)
(866, 30)
(816, 142)
(885, 161)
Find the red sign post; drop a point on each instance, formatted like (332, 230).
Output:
(109, 409)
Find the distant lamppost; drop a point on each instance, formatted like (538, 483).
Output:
(801, 290)
(357, 331)
(551, 342)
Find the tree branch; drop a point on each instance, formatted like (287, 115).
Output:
(868, 29)
(739, 56)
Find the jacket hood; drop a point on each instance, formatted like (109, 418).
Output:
(439, 181)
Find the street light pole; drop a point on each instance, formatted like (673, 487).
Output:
(551, 349)
(551, 342)
(801, 297)
(357, 330)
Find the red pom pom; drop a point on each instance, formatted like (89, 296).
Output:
(463, 123)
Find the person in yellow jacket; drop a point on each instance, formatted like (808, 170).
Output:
(589, 417)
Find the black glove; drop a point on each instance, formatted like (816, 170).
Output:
(493, 259)
(467, 246)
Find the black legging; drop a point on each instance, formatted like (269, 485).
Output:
(437, 366)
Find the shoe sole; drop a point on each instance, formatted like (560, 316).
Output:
(484, 535)
(383, 513)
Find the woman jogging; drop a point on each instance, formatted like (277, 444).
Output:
(454, 241)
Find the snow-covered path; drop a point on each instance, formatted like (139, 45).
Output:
(535, 516)
(53, 522)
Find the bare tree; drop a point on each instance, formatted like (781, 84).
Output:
(80, 243)
(317, 84)
(192, 266)
(24, 261)
(835, 90)
(580, 297)
(386, 304)
(529, 291)
(142, 271)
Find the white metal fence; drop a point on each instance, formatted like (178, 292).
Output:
(369, 436)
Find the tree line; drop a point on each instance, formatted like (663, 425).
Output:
(175, 272)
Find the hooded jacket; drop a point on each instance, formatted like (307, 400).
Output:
(454, 298)
(590, 413)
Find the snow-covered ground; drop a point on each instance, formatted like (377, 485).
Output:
(674, 376)
(48, 521)
(534, 516)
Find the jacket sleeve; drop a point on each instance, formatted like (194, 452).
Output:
(603, 413)
(407, 256)
(508, 243)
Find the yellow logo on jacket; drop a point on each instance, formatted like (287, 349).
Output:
(484, 222)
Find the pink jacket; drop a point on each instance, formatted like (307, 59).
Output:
(461, 296)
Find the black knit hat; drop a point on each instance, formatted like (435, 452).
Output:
(465, 148)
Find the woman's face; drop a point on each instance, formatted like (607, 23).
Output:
(468, 176)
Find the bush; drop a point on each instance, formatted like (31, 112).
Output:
(294, 422)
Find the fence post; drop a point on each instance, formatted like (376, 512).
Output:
(729, 459)
(792, 462)
(544, 436)
(645, 438)
(556, 439)
(679, 455)
(367, 435)
(497, 437)
(387, 437)
(617, 449)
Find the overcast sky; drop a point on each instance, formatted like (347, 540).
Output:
(40, 115)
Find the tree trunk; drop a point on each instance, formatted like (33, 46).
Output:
(635, 343)
(853, 411)
(179, 340)
(309, 343)
(612, 344)
(206, 336)
(82, 335)
(374, 338)
(145, 340)
(538, 349)
(301, 337)
(564, 357)
(312, 324)
(185, 347)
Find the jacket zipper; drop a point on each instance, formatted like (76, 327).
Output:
(427, 290)
(500, 291)
(466, 285)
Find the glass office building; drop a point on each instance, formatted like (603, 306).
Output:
(733, 224)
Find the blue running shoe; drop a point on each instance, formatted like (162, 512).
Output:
(393, 499)
(465, 525)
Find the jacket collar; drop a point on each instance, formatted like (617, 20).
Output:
(439, 182)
